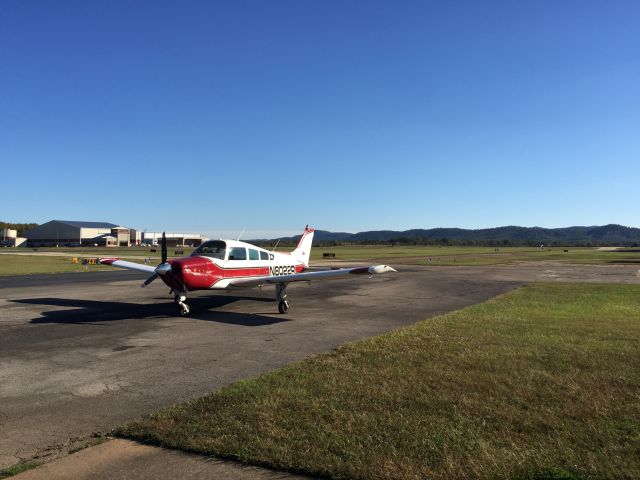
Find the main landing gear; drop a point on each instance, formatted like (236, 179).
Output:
(180, 299)
(283, 304)
(281, 296)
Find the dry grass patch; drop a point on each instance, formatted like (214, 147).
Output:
(543, 382)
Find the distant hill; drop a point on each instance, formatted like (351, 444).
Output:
(510, 235)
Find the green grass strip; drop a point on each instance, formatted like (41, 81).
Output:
(16, 469)
(540, 383)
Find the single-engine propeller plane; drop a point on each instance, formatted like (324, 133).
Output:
(231, 264)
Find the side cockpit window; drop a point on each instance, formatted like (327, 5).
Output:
(238, 253)
(253, 254)
(264, 256)
(212, 248)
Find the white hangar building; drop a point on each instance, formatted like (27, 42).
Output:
(74, 233)
(65, 233)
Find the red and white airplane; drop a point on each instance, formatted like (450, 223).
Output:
(231, 264)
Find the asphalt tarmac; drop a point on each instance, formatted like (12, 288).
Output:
(83, 353)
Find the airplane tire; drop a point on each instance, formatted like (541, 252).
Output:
(283, 306)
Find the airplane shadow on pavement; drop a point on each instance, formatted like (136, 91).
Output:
(92, 312)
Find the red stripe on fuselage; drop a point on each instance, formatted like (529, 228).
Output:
(200, 273)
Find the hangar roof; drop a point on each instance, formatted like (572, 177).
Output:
(77, 224)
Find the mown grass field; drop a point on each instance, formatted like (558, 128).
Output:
(26, 261)
(433, 255)
(39, 262)
(543, 382)
(99, 251)
(28, 265)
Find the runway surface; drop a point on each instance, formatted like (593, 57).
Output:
(83, 353)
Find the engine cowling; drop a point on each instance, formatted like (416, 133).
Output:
(192, 273)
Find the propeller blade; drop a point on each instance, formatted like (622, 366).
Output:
(164, 248)
(150, 279)
(164, 267)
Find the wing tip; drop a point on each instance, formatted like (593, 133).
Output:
(381, 269)
(108, 261)
(373, 269)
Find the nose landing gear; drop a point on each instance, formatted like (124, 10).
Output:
(183, 308)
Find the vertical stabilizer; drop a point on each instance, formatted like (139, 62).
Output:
(303, 250)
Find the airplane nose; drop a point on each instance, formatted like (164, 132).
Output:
(194, 272)
(171, 275)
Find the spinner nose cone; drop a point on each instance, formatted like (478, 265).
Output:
(163, 268)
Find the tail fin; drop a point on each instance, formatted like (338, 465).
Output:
(303, 250)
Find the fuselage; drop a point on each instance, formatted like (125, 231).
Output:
(214, 263)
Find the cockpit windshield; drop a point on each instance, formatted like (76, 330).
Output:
(212, 248)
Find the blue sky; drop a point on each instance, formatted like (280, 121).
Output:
(349, 116)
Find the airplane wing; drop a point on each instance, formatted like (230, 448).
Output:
(116, 262)
(309, 276)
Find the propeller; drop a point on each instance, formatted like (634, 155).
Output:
(164, 248)
(164, 267)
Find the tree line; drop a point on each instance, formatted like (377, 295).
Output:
(20, 227)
